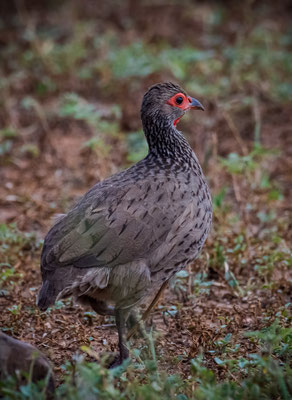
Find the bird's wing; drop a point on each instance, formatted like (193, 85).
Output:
(112, 226)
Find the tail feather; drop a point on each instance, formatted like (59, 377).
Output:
(47, 296)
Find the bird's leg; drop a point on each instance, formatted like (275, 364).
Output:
(121, 318)
(132, 319)
(147, 312)
(100, 307)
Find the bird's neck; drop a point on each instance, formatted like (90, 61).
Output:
(167, 143)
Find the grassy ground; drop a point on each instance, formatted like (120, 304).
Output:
(72, 78)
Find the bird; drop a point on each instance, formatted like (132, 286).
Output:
(132, 232)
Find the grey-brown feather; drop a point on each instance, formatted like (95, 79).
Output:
(135, 229)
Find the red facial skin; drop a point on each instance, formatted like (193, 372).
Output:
(185, 105)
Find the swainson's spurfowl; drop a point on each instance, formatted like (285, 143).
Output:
(132, 232)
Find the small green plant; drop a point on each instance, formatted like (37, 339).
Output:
(237, 164)
(201, 284)
(219, 199)
(8, 133)
(30, 149)
(220, 257)
(251, 166)
(13, 242)
(6, 140)
(77, 108)
(137, 146)
(15, 309)
(7, 276)
(261, 375)
(272, 259)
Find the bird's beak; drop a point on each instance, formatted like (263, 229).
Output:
(195, 104)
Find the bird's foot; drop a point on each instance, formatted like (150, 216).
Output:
(116, 360)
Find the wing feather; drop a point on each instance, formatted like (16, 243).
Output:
(120, 224)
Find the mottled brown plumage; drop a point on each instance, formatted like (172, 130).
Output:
(136, 229)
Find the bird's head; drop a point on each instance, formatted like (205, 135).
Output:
(167, 101)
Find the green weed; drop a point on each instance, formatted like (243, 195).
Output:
(14, 242)
(262, 375)
(78, 108)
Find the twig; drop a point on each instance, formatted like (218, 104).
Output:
(242, 209)
(235, 132)
(258, 120)
(190, 280)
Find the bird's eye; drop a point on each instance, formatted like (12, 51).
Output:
(179, 100)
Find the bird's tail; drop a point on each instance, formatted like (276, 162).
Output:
(47, 295)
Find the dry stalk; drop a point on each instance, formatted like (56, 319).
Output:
(235, 132)
(242, 211)
(147, 312)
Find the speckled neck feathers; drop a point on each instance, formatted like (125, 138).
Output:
(167, 144)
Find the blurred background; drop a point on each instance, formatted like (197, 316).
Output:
(72, 77)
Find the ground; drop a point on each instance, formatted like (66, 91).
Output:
(72, 80)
